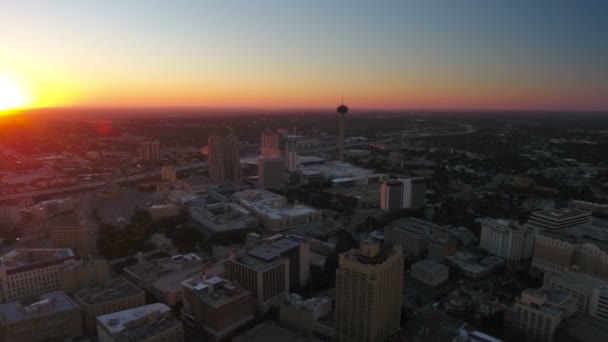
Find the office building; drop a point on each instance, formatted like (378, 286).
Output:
(411, 234)
(271, 172)
(115, 295)
(474, 266)
(266, 276)
(224, 160)
(51, 316)
(216, 306)
(293, 248)
(148, 323)
(274, 212)
(559, 220)
(28, 272)
(581, 250)
(391, 195)
(369, 285)
(507, 239)
(70, 231)
(590, 293)
(162, 278)
(302, 314)
(537, 314)
(413, 193)
(430, 272)
(149, 150)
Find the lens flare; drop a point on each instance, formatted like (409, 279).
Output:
(12, 94)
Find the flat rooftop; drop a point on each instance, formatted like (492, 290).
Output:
(127, 320)
(274, 249)
(47, 304)
(25, 259)
(113, 289)
(271, 204)
(580, 282)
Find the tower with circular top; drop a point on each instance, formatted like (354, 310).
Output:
(342, 111)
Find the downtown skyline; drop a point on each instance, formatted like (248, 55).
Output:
(546, 55)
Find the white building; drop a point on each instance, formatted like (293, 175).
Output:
(273, 210)
(148, 323)
(506, 239)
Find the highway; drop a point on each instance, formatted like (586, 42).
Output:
(89, 186)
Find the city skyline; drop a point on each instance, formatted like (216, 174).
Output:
(401, 55)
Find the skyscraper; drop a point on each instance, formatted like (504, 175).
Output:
(391, 195)
(271, 171)
(369, 284)
(224, 160)
(413, 192)
(149, 150)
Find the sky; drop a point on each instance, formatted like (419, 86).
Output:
(407, 54)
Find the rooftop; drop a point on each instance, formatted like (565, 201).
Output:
(135, 320)
(216, 291)
(46, 304)
(271, 204)
(560, 214)
(113, 289)
(583, 328)
(30, 258)
(580, 282)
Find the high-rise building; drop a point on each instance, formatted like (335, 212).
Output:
(224, 160)
(559, 220)
(51, 316)
(149, 150)
(507, 239)
(216, 306)
(369, 285)
(280, 143)
(413, 193)
(271, 171)
(391, 195)
(70, 231)
(266, 276)
(537, 314)
(10, 214)
(115, 295)
(29, 272)
(148, 323)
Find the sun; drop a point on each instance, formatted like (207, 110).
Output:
(12, 94)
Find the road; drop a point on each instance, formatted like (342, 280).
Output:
(139, 176)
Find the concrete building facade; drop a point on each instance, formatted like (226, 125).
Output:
(507, 239)
(224, 160)
(369, 285)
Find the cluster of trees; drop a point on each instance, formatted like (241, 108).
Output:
(114, 242)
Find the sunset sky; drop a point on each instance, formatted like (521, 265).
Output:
(427, 54)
